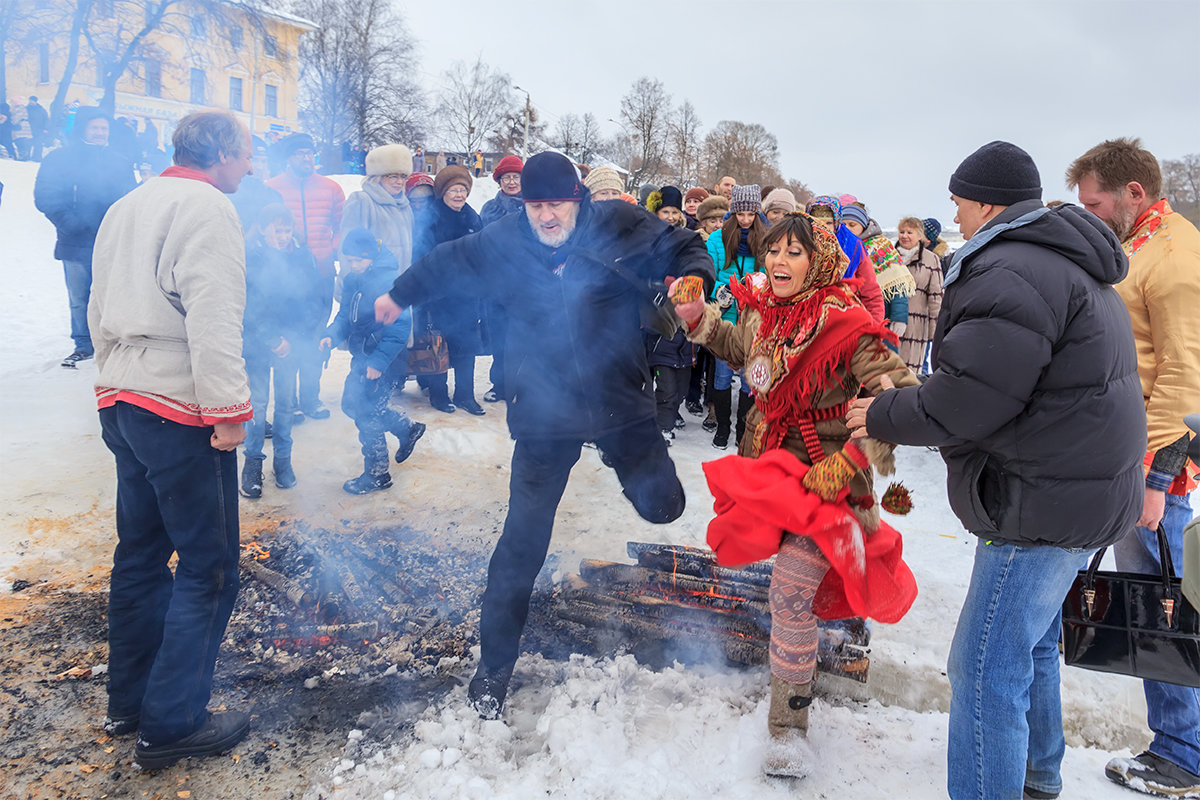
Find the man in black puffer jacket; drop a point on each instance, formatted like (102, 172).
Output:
(1036, 405)
(575, 364)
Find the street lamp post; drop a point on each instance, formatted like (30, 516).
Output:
(525, 139)
(628, 138)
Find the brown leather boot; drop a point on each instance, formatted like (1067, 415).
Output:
(788, 753)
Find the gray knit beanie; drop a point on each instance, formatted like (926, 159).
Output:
(746, 198)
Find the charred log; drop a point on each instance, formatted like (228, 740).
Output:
(699, 591)
(700, 560)
(297, 594)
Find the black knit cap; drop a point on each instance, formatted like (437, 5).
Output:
(296, 141)
(998, 173)
(551, 178)
(360, 243)
(671, 197)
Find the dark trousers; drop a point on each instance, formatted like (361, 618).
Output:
(366, 402)
(310, 359)
(464, 381)
(701, 378)
(670, 385)
(497, 332)
(175, 494)
(540, 468)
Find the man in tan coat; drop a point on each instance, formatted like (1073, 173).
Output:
(1121, 183)
(168, 294)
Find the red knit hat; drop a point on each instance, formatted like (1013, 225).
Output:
(507, 164)
(696, 193)
(417, 179)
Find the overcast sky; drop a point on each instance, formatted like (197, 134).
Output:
(879, 99)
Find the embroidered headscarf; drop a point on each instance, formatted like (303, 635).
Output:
(803, 338)
(830, 202)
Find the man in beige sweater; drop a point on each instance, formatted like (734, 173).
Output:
(1121, 183)
(169, 290)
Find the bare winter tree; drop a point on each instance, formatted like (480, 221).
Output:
(590, 139)
(509, 135)
(357, 74)
(646, 112)
(748, 152)
(567, 135)
(684, 140)
(1181, 185)
(475, 102)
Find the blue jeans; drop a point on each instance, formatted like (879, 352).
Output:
(1005, 711)
(279, 373)
(723, 378)
(79, 289)
(1172, 711)
(175, 494)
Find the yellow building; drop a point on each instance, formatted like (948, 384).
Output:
(202, 54)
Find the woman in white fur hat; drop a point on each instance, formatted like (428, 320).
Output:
(381, 205)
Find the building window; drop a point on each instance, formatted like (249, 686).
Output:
(271, 100)
(44, 62)
(197, 85)
(153, 78)
(270, 46)
(235, 94)
(200, 27)
(235, 37)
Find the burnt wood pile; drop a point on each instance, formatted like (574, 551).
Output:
(681, 596)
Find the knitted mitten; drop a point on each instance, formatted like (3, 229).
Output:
(829, 476)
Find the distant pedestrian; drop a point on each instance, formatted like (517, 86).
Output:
(39, 127)
(167, 317)
(925, 303)
(75, 186)
(419, 160)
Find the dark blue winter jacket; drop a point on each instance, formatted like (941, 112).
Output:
(676, 352)
(75, 186)
(575, 358)
(1035, 400)
(458, 312)
(501, 206)
(283, 299)
(370, 343)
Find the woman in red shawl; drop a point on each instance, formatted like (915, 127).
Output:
(808, 346)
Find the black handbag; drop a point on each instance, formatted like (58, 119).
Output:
(1132, 624)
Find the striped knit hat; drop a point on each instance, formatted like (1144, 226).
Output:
(746, 198)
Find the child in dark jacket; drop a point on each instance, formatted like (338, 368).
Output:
(670, 360)
(371, 271)
(283, 308)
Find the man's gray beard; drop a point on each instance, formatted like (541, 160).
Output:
(553, 241)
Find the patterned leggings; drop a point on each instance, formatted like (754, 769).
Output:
(798, 571)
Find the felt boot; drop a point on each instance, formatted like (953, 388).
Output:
(788, 753)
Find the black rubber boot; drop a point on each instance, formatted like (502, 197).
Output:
(745, 403)
(722, 401)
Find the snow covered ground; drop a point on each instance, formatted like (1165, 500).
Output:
(580, 729)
